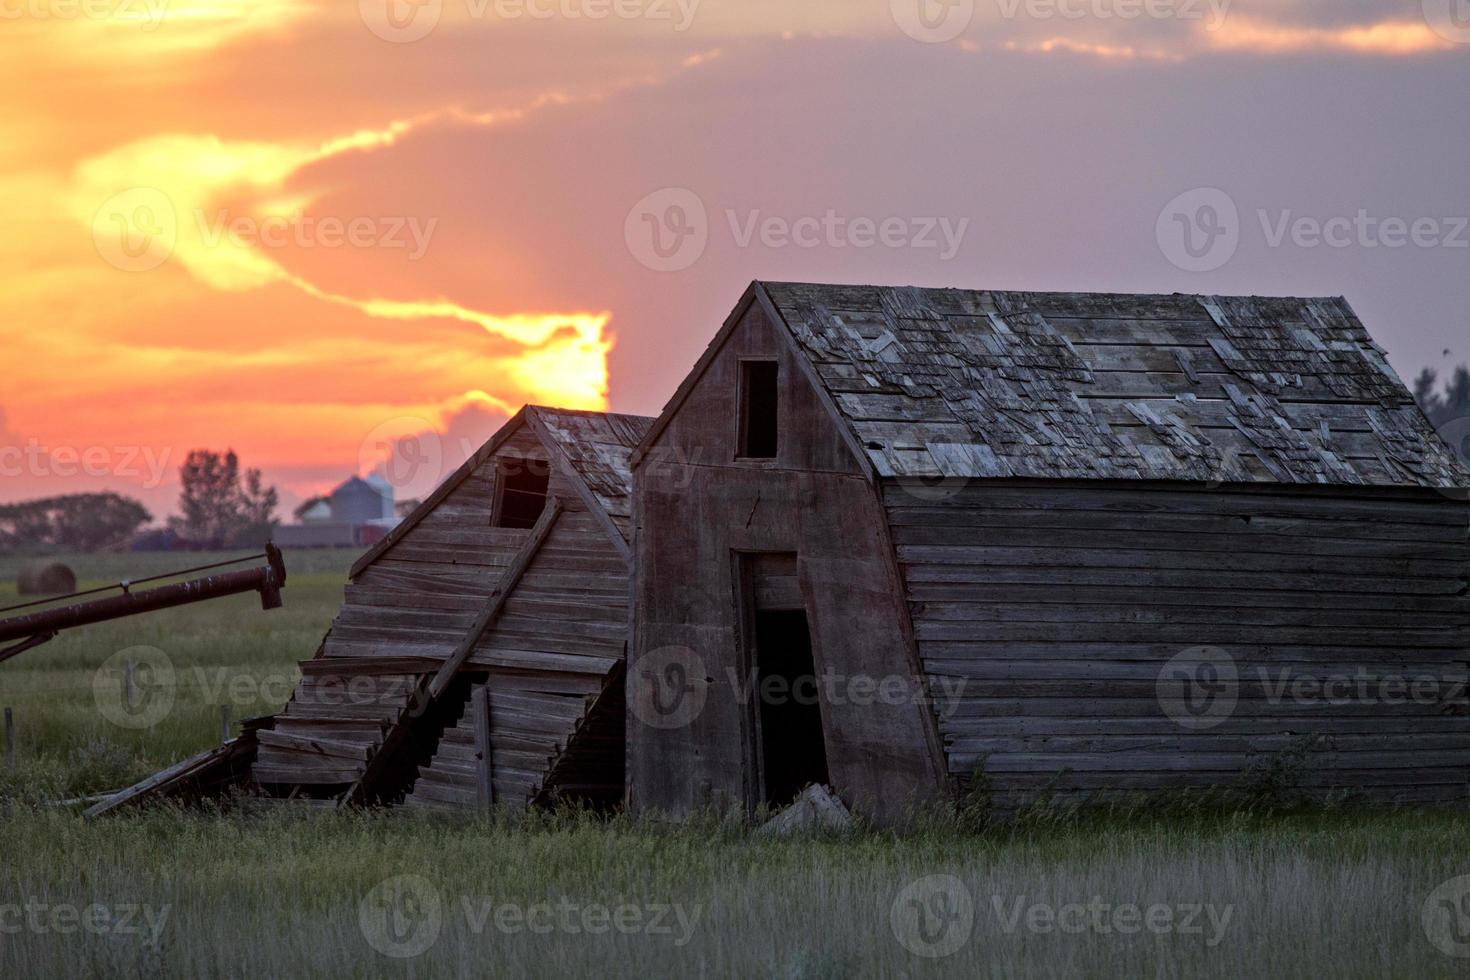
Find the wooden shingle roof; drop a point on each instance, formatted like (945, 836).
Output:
(976, 384)
(598, 445)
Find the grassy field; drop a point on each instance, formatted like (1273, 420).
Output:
(247, 891)
(191, 895)
(226, 650)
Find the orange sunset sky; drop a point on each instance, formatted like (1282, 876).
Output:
(302, 229)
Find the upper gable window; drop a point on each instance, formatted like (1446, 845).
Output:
(759, 415)
(520, 494)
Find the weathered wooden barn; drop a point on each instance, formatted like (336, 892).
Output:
(479, 653)
(1086, 543)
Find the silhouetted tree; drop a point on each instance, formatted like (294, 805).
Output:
(220, 506)
(1425, 394)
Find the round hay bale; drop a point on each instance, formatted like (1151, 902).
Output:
(52, 578)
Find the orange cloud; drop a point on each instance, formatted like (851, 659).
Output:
(1384, 38)
(162, 199)
(1111, 52)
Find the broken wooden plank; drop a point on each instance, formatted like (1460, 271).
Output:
(180, 773)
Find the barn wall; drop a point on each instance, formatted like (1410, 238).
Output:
(554, 652)
(695, 508)
(415, 601)
(1056, 607)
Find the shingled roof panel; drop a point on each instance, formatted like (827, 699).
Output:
(598, 446)
(971, 383)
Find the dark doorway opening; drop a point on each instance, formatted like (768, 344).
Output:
(793, 753)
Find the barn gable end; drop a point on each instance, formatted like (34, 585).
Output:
(724, 543)
(553, 660)
(538, 613)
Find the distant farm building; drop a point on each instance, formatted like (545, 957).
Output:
(359, 512)
(314, 511)
(1090, 533)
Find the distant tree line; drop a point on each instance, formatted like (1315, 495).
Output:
(1448, 409)
(74, 522)
(220, 506)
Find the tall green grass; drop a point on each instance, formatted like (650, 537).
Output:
(292, 895)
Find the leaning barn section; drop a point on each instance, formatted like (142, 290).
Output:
(1044, 509)
(511, 578)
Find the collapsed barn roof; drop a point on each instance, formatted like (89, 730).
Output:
(596, 445)
(986, 384)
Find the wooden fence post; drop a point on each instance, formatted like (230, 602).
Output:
(9, 739)
(224, 723)
(480, 716)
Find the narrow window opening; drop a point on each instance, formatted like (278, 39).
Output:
(793, 754)
(521, 495)
(758, 415)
